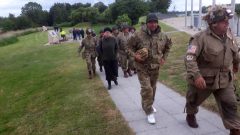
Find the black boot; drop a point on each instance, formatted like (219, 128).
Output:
(234, 132)
(129, 72)
(125, 74)
(109, 84)
(115, 81)
(89, 75)
(191, 120)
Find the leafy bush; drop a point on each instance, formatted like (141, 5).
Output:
(123, 19)
(28, 32)
(65, 24)
(8, 41)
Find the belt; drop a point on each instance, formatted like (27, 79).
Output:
(224, 70)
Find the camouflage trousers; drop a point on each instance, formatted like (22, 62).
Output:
(126, 62)
(123, 60)
(131, 63)
(226, 101)
(148, 81)
(91, 64)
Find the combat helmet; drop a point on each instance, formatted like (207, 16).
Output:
(217, 13)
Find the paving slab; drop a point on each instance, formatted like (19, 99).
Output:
(170, 116)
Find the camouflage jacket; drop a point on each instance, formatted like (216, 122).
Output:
(157, 43)
(89, 43)
(211, 57)
(122, 42)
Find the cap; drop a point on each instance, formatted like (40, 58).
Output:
(107, 29)
(114, 28)
(151, 17)
(125, 26)
(217, 13)
(88, 31)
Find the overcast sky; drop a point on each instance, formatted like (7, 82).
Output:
(14, 6)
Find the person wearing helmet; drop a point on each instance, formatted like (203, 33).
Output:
(211, 59)
(89, 43)
(115, 31)
(124, 60)
(150, 48)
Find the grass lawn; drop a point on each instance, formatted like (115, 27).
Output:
(44, 90)
(173, 72)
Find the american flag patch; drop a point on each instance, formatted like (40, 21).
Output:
(192, 49)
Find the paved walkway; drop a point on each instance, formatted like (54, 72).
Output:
(170, 106)
(170, 119)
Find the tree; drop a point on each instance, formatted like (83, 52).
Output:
(100, 6)
(160, 5)
(237, 10)
(82, 14)
(79, 5)
(22, 22)
(7, 24)
(34, 12)
(133, 8)
(123, 19)
(59, 13)
(106, 16)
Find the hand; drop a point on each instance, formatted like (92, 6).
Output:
(162, 61)
(235, 68)
(200, 83)
(138, 58)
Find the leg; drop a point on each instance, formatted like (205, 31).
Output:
(93, 65)
(194, 98)
(146, 92)
(227, 104)
(153, 79)
(89, 66)
(123, 61)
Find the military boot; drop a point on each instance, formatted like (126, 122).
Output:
(89, 75)
(191, 120)
(109, 84)
(115, 81)
(125, 74)
(129, 72)
(135, 71)
(94, 72)
(234, 132)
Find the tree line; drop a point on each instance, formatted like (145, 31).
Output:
(65, 14)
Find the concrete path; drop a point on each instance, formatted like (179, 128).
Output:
(170, 119)
(170, 106)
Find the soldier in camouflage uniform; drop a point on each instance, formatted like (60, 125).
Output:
(89, 52)
(211, 59)
(115, 31)
(124, 58)
(150, 48)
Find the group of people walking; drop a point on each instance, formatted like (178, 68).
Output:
(211, 60)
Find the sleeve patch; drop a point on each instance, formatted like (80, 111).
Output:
(192, 49)
(189, 57)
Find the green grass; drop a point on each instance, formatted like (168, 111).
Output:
(12, 38)
(44, 90)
